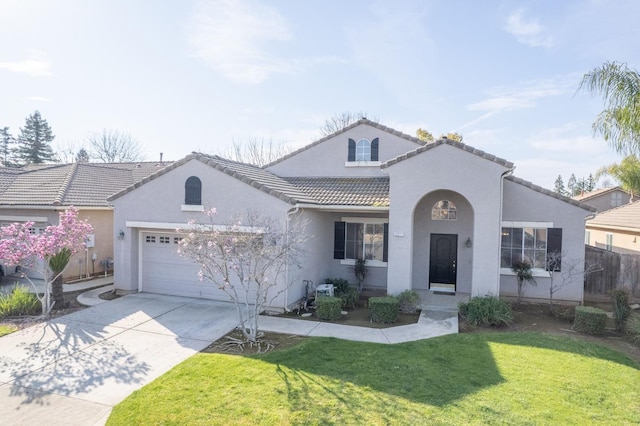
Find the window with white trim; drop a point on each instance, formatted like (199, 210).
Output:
(361, 239)
(363, 150)
(532, 245)
(609, 242)
(165, 240)
(150, 238)
(616, 199)
(444, 210)
(587, 237)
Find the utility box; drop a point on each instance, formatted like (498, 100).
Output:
(324, 290)
(91, 240)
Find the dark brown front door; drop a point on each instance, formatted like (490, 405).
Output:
(442, 262)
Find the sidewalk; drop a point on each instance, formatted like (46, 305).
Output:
(10, 281)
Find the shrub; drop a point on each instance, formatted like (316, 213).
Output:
(349, 298)
(328, 308)
(621, 309)
(408, 301)
(633, 327)
(565, 313)
(486, 310)
(19, 302)
(340, 285)
(383, 309)
(590, 320)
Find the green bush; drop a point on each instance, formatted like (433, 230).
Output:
(408, 301)
(328, 308)
(486, 310)
(19, 302)
(565, 313)
(633, 327)
(590, 320)
(340, 285)
(621, 308)
(383, 309)
(349, 298)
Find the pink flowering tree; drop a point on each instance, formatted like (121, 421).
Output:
(250, 260)
(20, 246)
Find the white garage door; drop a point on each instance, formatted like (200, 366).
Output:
(165, 271)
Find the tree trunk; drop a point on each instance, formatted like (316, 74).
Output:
(57, 293)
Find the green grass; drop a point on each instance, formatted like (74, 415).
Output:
(7, 329)
(479, 378)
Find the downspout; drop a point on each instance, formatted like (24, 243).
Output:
(502, 176)
(290, 213)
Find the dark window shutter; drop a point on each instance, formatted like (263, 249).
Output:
(554, 247)
(352, 150)
(338, 240)
(385, 243)
(193, 191)
(374, 150)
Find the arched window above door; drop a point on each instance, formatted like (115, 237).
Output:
(444, 210)
(193, 191)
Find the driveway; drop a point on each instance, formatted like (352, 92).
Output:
(74, 369)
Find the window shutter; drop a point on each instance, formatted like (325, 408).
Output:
(338, 240)
(554, 247)
(385, 243)
(352, 150)
(374, 150)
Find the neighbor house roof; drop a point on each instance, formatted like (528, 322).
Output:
(625, 216)
(254, 176)
(356, 124)
(77, 184)
(598, 192)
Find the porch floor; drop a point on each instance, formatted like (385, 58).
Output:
(432, 301)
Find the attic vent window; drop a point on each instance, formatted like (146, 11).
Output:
(363, 150)
(193, 191)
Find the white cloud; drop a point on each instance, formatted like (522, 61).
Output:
(36, 66)
(234, 39)
(568, 139)
(527, 31)
(39, 99)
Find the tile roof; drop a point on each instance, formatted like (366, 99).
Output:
(589, 195)
(339, 132)
(254, 176)
(551, 193)
(78, 184)
(345, 191)
(625, 216)
(449, 142)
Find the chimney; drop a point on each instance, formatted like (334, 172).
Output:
(161, 157)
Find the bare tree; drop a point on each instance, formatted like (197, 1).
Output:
(569, 270)
(114, 146)
(249, 260)
(341, 120)
(257, 152)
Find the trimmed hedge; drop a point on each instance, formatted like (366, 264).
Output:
(328, 308)
(408, 300)
(590, 320)
(383, 309)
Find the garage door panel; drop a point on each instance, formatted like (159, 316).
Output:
(165, 271)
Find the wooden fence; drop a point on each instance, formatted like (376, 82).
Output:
(614, 270)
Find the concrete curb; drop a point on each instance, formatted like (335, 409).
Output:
(92, 297)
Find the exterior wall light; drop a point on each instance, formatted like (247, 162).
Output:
(121, 235)
(468, 243)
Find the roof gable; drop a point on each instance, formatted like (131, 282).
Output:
(552, 194)
(625, 216)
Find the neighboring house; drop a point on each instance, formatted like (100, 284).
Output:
(605, 198)
(38, 193)
(441, 217)
(616, 230)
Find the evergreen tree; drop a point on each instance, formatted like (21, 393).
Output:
(571, 185)
(559, 186)
(82, 156)
(6, 147)
(34, 142)
(591, 183)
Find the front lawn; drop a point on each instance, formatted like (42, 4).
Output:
(484, 378)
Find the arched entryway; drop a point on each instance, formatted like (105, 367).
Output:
(442, 254)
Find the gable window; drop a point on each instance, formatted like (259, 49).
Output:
(363, 150)
(609, 242)
(361, 238)
(444, 210)
(537, 246)
(616, 199)
(193, 191)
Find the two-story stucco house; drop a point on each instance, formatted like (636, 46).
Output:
(442, 217)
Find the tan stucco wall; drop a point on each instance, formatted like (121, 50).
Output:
(624, 242)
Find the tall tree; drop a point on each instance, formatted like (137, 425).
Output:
(82, 156)
(339, 121)
(559, 186)
(114, 146)
(571, 184)
(627, 173)
(6, 147)
(619, 122)
(34, 141)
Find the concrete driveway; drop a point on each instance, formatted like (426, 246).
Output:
(74, 369)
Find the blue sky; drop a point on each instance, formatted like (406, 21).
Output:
(183, 76)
